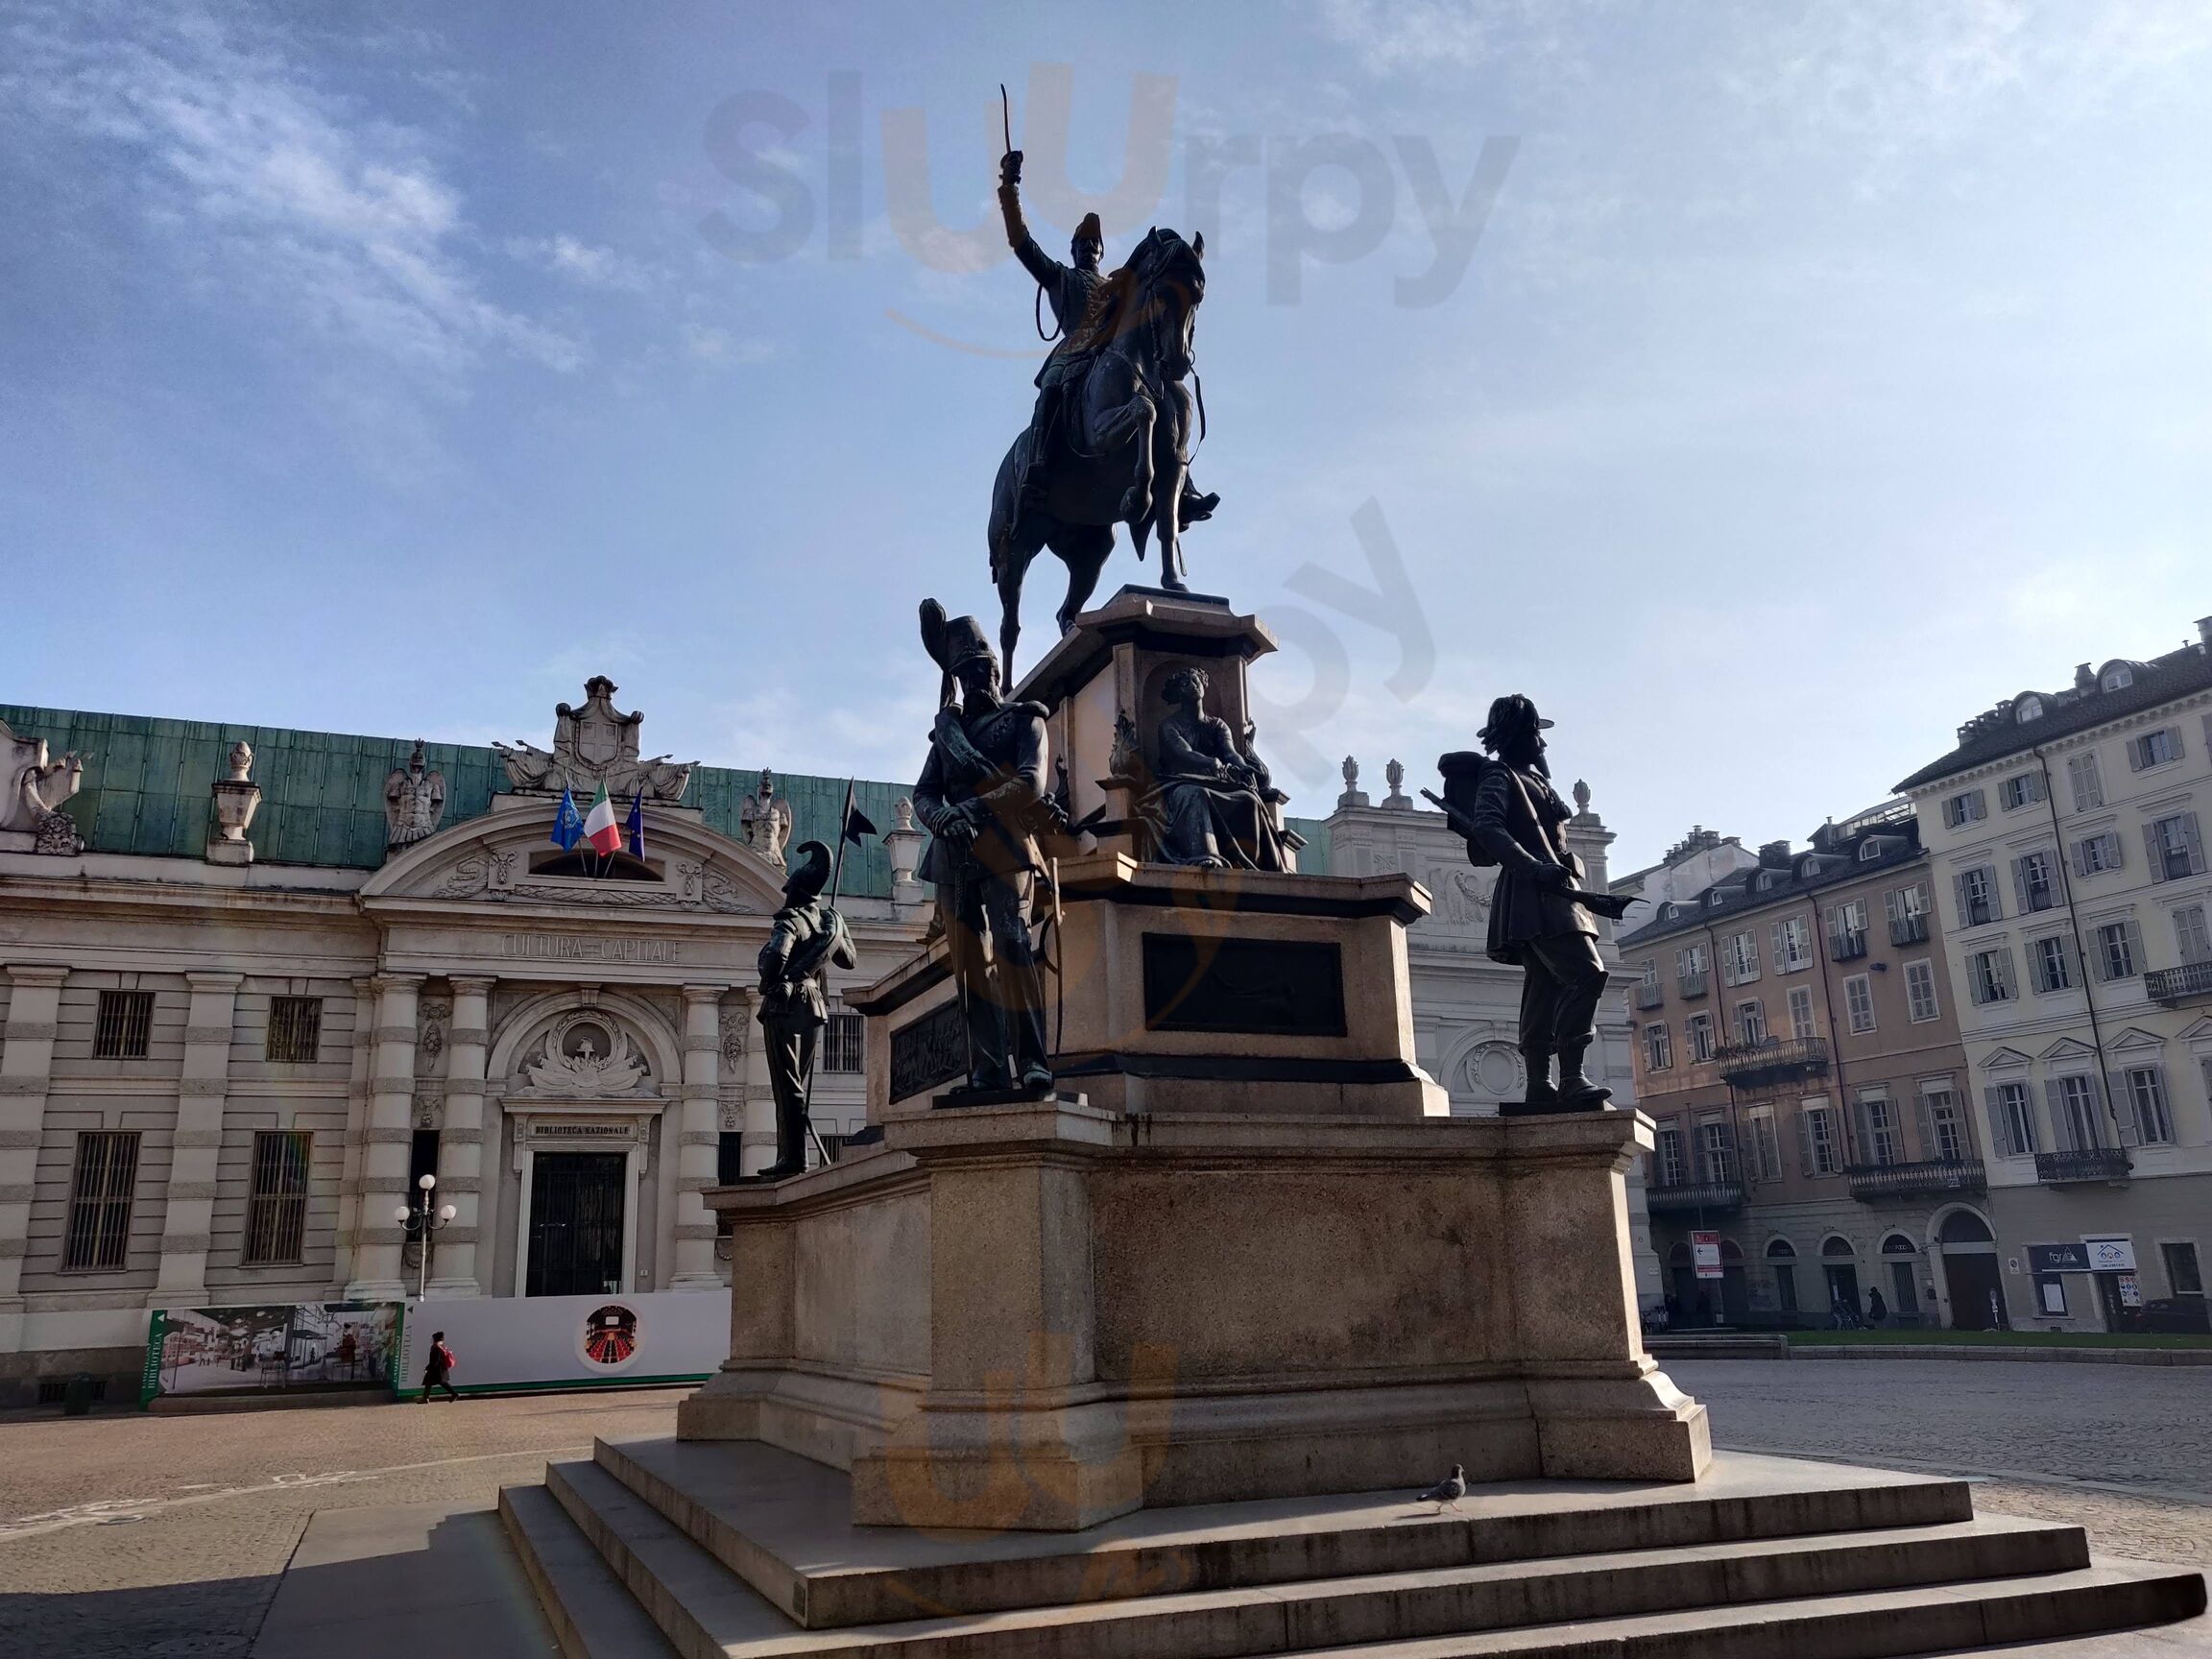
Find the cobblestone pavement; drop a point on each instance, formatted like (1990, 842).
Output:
(165, 1536)
(2125, 1451)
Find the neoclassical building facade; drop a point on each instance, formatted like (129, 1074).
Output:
(256, 983)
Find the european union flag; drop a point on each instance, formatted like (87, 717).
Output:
(633, 831)
(567, 822)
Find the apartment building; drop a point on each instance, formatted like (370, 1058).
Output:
(1797, 1045)
(2066, 838)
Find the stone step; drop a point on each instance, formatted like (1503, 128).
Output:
(709, 1613)
(779, 1521)
(1998, 1618)
(592, 1616)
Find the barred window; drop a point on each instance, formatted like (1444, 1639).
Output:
(295, 1029)
(100, 1199)
(843, 1044)
(276, 1204)
(125, 1019)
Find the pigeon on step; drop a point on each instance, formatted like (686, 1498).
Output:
(1447, 1492)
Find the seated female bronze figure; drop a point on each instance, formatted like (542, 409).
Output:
(1213, 804)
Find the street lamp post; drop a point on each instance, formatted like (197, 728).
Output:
(421, 1224)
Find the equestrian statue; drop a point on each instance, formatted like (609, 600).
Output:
(1109, 439)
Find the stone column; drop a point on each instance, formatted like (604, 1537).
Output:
(187, 1224)
(757, 1150)
(697, 1140)
(385, 1141)
(364, 1050)
(26, 1067)
(461, 1146)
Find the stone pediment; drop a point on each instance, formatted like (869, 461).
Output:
(506, 857)
(2068, 1049)
(2004, 1059)
(2135, 1039)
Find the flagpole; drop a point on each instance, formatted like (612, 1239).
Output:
(836, 882)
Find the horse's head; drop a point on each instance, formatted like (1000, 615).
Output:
(1168, 278)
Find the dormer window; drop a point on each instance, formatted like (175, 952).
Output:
(2029, 708)
(2118, 677)
(1870, 849)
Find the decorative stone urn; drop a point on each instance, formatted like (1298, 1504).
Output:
(237, 798)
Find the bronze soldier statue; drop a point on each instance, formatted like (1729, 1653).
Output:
(982, 795)
(805, 937)
(1540, 915)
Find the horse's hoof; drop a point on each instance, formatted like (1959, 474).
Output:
(1174, 584)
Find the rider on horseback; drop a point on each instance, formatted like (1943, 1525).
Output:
(1073, 291)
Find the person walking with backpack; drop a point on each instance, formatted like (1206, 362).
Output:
(439, 1368)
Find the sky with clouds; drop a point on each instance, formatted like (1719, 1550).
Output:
(1762, 387)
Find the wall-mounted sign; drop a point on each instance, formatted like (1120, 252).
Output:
(2059, 1257)
(1705, 1254)
(2110, 1252)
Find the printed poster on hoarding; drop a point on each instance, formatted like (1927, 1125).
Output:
(270, 1346)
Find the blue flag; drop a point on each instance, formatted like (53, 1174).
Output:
(633, 831)
(567, 822)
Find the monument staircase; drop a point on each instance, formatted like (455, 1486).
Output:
(740, 1550)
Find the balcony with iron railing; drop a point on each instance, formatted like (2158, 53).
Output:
(2085, 1165)
(1692, 984)
(1772, 1060)
(1847, 946)
(2191, 982)
(1726, 1193)
(1873, 1182)
(1650, 994)
(1909, 930)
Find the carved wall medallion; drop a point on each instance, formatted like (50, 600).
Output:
(586, 1056)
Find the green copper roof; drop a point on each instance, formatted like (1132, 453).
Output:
(147, 790)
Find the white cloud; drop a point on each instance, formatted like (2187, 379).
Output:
(580, 262)
(718, 346)
(310, 206)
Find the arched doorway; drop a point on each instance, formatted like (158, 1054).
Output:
(1782, 1263)
(1970, 1276)
(1839, 1266)
(1901, 1266)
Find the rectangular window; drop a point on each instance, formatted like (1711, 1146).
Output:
(295, 1029)
(843, 1044)
(2097, 855)
(1920, 991)
(2050, 963)
(1765, 1148)
(1978, 897)
(1750, 1022)
(1946, 1133)
(2119, 948)
(1667, 1151)
(1968, 807)
(2021, 789)
(1989, 975)
(1801, 1012)
(1858, 1002)
(1740, 957)
(2175, 846)
(1847, 931)
(2155, 748)
(2082, 778)
(1793, 944)
(2182, 1277)
(1697, 1037)
(1690, 969)
(2191, 938)
(100, 1194)
(1658, 1047)
(1883, 1144)
(276, 1203)
(1716, 1154)
(122, 1025)
(2012, 1120)
(2146, 1087)
(2035, 881)
(1907, 908)
(2074, 1116)
(1825, 1156)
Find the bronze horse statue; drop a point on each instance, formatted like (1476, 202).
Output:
(1123, 454)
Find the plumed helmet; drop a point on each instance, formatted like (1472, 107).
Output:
(1509, 714)
(809, 875)
(952, 644)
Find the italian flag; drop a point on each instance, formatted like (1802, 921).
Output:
(600, 826)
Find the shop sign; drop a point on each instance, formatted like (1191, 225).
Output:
(2110, 1252)
(2059, 1257)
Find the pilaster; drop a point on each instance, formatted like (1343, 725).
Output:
(461, 1147)
(363, 1055)
(698, 1140)
(757, 1149)
(385, 1141)
(202, 1090)
(26, 1070)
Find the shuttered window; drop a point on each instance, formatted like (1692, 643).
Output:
(1978, 897)
(2012, 1120)
(2144, 1113)
(2119, 948)
(1801, 1012)
(1920, 991)
(295, 1029)
(2088, 786)
(2052, 964)
(122, 1025)
(277, 1204)
(2176, 847)
(2096, 853)
(100, 1194)
(1989, 975)
(2191, 937)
